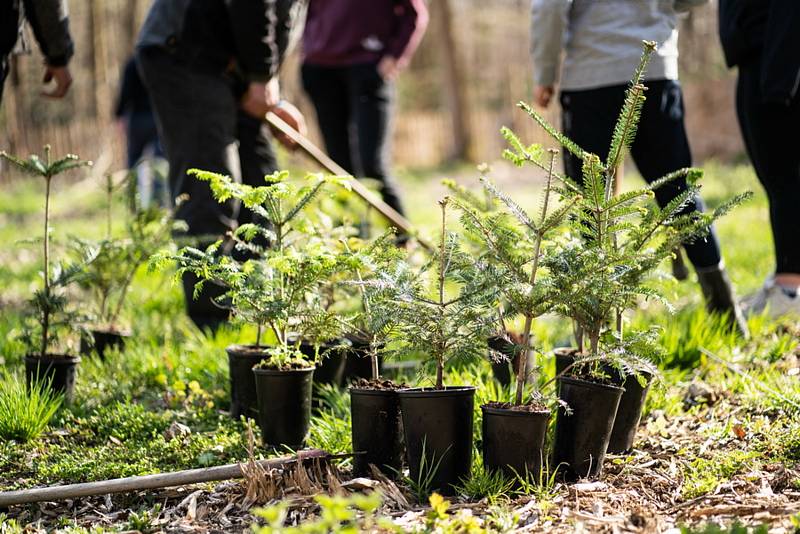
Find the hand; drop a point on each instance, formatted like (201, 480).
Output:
(61, 76)
(291, 116)
(542, 94)
(261, 97)
(388, 69)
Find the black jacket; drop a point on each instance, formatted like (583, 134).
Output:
(764, 33)
(212, 34)
(50, 24)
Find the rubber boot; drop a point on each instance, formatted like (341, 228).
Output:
(721, 298)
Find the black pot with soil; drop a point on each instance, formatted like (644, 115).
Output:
(102, 340)
(631, 403)
(284, 405)
(376, 429)
(241, 360)
(582, 435)
(505, 369)
(437, 426)
(513, 439)
(358, 364)
(629, 413)
(331, 362)
(56, 370)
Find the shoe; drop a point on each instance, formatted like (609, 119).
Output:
(777, 300)
(721, 299)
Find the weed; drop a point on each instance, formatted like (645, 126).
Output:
(703, 475)
(25, 411)
(483, 484)
(142, 520)
(422, 487)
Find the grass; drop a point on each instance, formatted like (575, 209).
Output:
(25, 411)
(171, 373)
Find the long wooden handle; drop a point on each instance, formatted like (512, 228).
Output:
(138, 483)
(322, 159)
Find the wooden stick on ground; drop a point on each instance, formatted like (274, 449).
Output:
(162, 480)
(322, 159)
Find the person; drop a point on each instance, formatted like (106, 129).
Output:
(135, 115)
(762, 39)
(50, 24)
(602, 42)
(210, 68)
(353, 50)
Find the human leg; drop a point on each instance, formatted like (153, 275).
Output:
(327, 89)
(371, 100)
(196, 115)
(776, 160)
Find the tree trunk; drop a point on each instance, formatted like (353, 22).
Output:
(454, 80)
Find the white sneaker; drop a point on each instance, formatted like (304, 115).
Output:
(775, 299)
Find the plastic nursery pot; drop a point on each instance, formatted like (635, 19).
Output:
(581, 437)
(437, 425)
(565, 356)
(628, 414)
(284, 405)
(502, 370)
(513, 441)
(58, 370)
(358, 363)
(102, 340)
(330, 367)
(376, 430)
(241, 360)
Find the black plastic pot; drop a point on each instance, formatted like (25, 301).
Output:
(628, 414)
(513, 441)
(284, 405)
(377, 431)
(241, 360)
(438, 422)
(57, 370)
(330, 368)
(630, 405)
(359, 364)
(103, 340)
(503, 371)
(582, 437)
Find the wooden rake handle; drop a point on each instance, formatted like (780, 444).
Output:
(322, 159)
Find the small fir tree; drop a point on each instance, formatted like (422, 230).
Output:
(49, 304)
(279, 286)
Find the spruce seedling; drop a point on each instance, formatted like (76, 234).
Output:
(454, 322)
(48, 303)
(517, 250)
(278, 286)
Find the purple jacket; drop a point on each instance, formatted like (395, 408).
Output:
(348, 32)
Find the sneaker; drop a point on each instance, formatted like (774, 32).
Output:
(777, 300)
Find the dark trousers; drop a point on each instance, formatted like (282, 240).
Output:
(201, 126)
(141, 133)
(354, 107)
(660, 147)
(4, 69)
(770, 135)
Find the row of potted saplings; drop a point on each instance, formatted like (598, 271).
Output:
(438, 424)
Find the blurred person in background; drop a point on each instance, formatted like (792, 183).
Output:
(762, 39)
(602, 45)
(50, 23)
(211, 70)
(135, 116)
(353, 51)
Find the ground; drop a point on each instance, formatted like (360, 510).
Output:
(719, 441)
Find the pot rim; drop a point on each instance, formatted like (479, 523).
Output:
(373, 392)
(263, 371)
(507, 412)
(448, 391)
(122, 332)
(585, 383)
(239, 349)
(50, 357)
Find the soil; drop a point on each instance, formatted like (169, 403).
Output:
(377, 385)
(583, 372)
(530, 407)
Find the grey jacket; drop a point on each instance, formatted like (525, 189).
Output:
(49, 21)
(602, 40)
